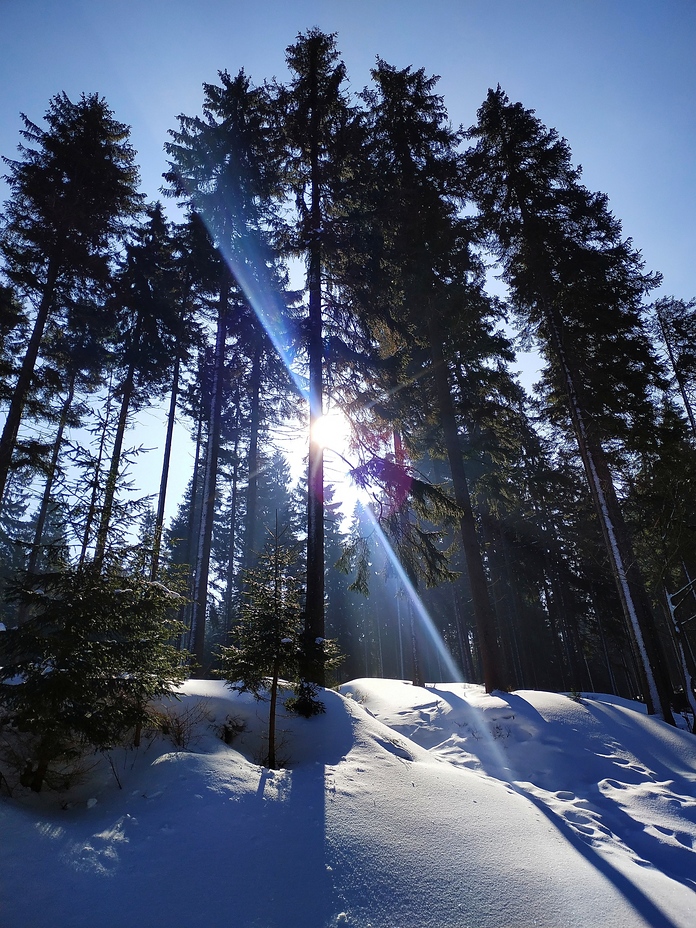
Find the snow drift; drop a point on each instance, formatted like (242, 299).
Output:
(401, 806)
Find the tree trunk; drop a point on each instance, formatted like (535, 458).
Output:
(231, 556)
(53, 469)
(686, 658)
(127, 389)
(272, 718)
(205, 535)
(193, 529)
(164, 479)
(92, 509)
(629, 583)
(679, 377)
(314, 601)
(21, 390)
(252, 545)
(416, 651)
(483, 611)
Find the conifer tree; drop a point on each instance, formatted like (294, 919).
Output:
(426, 289)
(675, 326)
(13, 323)
(579, 286)
(225, 167)
(146, 310)
(319, 132)
(73, 192)
(93, 653)
(268, 637)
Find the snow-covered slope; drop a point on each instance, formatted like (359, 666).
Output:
(401, 806)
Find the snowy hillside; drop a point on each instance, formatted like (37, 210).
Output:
(401, 806)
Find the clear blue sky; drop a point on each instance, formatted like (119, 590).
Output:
(617, 78)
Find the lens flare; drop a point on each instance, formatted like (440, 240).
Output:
(251, 272)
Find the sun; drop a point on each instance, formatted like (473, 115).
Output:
(332, 431)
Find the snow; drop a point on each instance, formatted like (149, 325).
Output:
(400, 807)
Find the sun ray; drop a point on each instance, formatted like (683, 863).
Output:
(427, 623)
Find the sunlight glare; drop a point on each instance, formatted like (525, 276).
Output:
(332, 431)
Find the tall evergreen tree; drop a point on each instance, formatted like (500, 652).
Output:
(579, 286)
(319, 133)
(146, 308)
(675, 327)
(426, 289)
(222, 164)
(72, 193)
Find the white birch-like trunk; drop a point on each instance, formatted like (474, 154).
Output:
(654, 704)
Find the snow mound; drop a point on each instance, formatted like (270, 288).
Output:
(400, 806)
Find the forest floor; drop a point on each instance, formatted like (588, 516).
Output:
(400, 807)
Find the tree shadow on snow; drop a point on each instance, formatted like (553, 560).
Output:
(496, 764)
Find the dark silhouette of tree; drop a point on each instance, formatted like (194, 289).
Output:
(426, 288)
(319, 134)
(93, 654)
(146, 309)
(222, 164)
(579, 286)
(267, 638)
(72, 194)
(675, 326)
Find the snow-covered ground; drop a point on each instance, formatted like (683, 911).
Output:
(401, 807)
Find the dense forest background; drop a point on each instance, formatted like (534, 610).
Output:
(316, 247)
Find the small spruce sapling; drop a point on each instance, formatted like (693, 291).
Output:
(268, 639)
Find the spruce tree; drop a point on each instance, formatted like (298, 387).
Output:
(94, 652)
(146, 323)
(222, 164)
(319, 131)
(73, 192)
(674, 325)
(578, 285)
(425, 289)
(267, 640)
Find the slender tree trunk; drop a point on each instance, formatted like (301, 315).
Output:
(629, 583)
(402, 670)
(505, 600)
(164, 479)
(10, 431)
(192, 533)
(677, 373)
(205, 535)
(489, 648)
(112, 476)
(417, 664)
(277, 603)
(92, 509)
(314, 602)
(50, 480)
(272, 717)
(603, 638)
(416, 655)
(686, 658)
(634, 599)
(232, 556)
(252, 540)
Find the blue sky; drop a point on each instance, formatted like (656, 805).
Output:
(617, 78)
